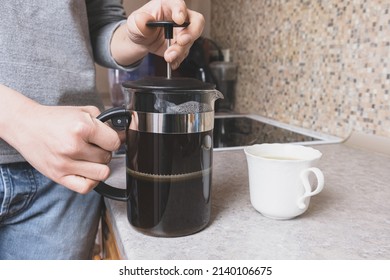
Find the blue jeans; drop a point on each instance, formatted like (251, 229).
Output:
(40, 219)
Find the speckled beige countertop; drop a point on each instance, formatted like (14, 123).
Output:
(349, 219)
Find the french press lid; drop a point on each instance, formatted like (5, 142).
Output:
(168, 84)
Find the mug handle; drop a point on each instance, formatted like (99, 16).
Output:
(308, 188)
(120, 118)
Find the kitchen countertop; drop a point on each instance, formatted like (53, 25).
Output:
(349, 219)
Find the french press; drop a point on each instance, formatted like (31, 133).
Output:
(169, 146)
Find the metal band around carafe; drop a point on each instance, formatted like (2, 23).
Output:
(173, 123)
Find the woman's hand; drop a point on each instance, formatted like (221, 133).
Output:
(134, 40)
(67, 144)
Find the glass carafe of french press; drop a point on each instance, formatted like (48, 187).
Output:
(169, 148)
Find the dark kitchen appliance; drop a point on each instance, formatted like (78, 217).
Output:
(225, 77)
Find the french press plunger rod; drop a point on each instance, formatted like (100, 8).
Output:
(168, 32)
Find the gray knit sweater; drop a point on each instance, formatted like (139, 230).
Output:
(48, 49)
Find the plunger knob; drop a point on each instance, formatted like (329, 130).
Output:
(168, 34)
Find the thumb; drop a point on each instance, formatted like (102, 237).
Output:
(138, 31)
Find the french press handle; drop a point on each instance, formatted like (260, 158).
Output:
(120, 118)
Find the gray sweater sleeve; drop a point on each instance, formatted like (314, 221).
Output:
(104, 16)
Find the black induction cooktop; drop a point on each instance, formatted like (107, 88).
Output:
(238, 131)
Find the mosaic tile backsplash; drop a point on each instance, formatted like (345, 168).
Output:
(321, 65)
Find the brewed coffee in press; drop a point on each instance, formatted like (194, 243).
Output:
(169, 131)
(170, 194)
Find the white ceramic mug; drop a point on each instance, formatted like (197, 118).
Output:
(279, 182)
